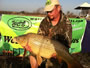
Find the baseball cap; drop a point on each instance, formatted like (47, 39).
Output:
(50, 4)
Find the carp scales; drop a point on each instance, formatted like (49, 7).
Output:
(43, 46)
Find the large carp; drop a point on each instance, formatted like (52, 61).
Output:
(44, 47)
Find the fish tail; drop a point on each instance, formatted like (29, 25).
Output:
(59, 59)
(67, 57)
(71, 62)
(74, 64)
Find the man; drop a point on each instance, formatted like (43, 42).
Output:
(57, 27)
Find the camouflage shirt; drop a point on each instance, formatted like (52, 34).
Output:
(61, 32)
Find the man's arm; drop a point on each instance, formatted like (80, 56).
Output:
(42, 28)
(69, 31)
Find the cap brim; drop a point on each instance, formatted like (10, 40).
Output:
(49, 8)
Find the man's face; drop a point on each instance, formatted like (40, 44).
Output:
(54, 13)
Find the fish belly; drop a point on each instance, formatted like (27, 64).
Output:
(42, 46)
(47, 49)
(47, 53)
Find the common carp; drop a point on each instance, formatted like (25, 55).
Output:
(43, 46)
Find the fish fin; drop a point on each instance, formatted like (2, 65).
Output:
(24, 52)
(39, 59)
(59, 59)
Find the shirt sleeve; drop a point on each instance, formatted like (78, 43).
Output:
(42, 29)
(68, 31)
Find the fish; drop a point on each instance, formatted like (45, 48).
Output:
(42, 46)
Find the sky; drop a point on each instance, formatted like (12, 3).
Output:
(32, 5)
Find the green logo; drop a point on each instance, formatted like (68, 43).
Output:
(19, 23)
(48, 2)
